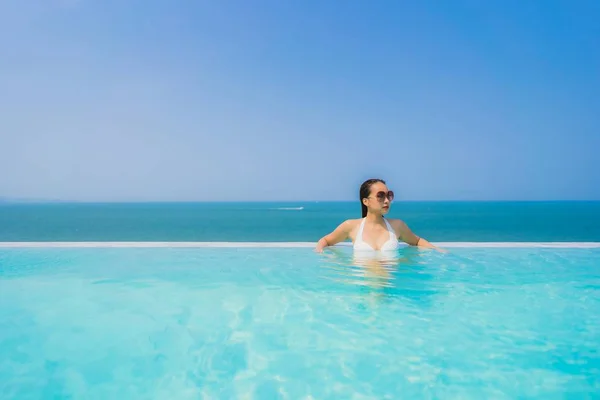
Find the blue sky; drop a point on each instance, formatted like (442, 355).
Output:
(299, 100)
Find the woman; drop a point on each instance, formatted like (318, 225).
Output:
(373, 232)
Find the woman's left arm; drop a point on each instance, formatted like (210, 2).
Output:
(405, 234)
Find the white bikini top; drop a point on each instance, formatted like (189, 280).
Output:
(390, 245)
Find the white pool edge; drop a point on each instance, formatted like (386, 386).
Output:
(282, 244)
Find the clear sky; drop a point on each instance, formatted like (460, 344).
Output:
(303, 100)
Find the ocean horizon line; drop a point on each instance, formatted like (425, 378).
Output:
(179, 244)
(4, 201)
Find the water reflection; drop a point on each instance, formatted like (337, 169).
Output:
(408, 272)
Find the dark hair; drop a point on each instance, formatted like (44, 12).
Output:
(365, 191)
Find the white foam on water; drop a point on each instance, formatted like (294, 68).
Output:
(583, 245)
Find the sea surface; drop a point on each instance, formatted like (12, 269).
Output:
(288, 323)
(297, 221)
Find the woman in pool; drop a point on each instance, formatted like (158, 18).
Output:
(373, 232)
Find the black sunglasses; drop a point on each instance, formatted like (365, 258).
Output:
(382, 195)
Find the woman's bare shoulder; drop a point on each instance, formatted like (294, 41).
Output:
(353, 222)
(395, 221)
(351, 227)
(397, 224)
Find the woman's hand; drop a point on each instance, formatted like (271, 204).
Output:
(320, 245)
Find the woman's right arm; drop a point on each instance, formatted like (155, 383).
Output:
(340, 234)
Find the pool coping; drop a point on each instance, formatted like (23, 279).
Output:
(107, 244)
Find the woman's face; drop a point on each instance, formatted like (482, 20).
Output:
(380, 198)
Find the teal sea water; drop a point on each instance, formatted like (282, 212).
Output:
(297, 221)
(287, 323)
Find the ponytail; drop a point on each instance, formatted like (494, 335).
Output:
(364, 209)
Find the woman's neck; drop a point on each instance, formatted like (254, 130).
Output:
(374, 218)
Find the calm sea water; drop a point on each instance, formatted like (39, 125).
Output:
(258, 323)
(255, 222)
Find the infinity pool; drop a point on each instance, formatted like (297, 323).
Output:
(269, 323)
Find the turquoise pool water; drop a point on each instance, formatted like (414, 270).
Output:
(268, 323)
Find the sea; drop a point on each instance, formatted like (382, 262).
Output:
(566, 221)
(256, 321)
